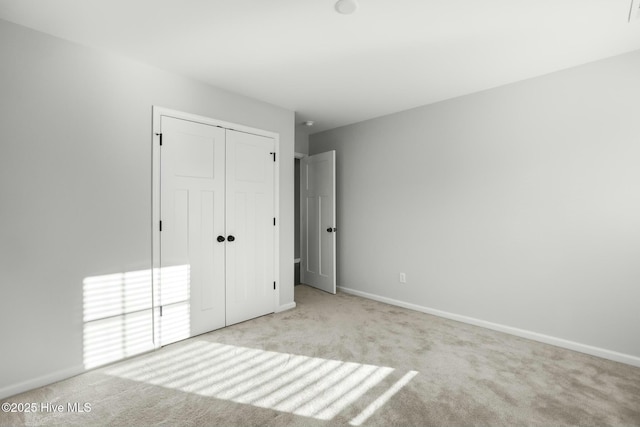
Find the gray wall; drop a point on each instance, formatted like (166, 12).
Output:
(302, 139)
(519, 205)
(75, 186)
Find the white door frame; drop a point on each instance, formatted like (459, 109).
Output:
(155, 192)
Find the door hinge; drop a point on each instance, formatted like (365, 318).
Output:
(160, 225)
(274, 285)
(274, 155)
(160, 135)
(160, 311)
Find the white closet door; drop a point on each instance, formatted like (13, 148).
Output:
(191, 278)
(250, 229)
(318, 193)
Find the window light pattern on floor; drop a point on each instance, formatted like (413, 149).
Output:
(301, 385)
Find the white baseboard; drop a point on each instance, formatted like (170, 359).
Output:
(558, 342)
(13, 389)
(286, 307)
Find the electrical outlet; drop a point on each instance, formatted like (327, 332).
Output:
(403, 278)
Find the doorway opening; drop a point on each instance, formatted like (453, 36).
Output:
(296, 216)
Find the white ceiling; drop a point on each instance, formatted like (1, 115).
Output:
(389, 56)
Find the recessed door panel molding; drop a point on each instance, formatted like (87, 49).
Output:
(312, 228)
(196, 159)
(211, 250)
(318, 212)
(215, 239)
(176, 226)
(327, 250)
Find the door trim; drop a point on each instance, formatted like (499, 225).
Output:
(157, 113)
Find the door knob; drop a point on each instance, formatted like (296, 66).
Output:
(231, 238)
(329, 230)
(220, 238)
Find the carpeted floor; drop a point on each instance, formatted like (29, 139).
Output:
(345, 360)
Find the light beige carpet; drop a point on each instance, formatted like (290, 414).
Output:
(344, 360)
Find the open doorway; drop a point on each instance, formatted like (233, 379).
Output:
(296, 215)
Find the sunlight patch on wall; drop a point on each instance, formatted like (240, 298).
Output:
(174, 296)
(118, 316)
(174, 324)
(301, 385)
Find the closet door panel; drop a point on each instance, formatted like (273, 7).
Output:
(249, 219)
(190, 297)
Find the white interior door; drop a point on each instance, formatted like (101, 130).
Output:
(318, 211)
(191, 295)
(250, 288)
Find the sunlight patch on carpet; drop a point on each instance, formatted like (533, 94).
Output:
(384, 398)
(301, 385)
